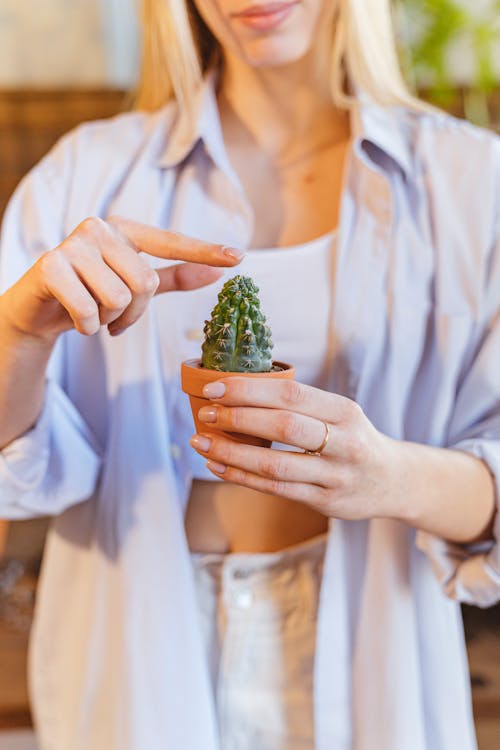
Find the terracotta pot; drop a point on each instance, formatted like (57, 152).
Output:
(194, 377)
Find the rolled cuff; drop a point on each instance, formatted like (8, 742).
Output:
(52, 466)
(469, 573)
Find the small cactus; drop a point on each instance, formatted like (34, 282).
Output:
(237, 338)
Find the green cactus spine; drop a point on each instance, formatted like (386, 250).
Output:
(237, 338)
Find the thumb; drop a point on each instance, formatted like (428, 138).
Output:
(185, 276)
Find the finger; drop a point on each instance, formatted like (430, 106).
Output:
(304, 493)
(103, 283)
(275, 465)
(277, 425)
(185, 276)
(139, 277)
(165, 244)
(280, 393)
(60, 280)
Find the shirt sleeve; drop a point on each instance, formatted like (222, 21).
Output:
(56, 463)
(471, 573)
(50, 467)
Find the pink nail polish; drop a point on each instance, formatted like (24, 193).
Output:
(233, 253)
(214, 390)
(201, 442)
(214, 466)
(208, 414)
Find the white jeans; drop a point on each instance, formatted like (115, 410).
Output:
(258, 616)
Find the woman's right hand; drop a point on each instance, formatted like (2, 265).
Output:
(97, 276)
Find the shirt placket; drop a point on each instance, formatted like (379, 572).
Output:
(360, 276)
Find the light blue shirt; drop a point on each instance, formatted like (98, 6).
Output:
(116, 659)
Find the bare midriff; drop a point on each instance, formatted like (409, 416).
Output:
(224, 517)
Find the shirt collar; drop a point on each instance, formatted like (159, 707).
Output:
(384, 128)
(387, 129)
(203, 126)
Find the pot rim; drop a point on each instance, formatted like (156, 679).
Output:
(193, 363)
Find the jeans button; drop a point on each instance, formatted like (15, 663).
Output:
(243, 599)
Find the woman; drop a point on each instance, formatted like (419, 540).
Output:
(296, 603)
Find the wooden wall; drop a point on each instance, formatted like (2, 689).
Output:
(32, 121)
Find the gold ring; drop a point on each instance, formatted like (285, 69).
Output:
(322, 447)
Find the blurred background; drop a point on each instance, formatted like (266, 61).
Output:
(66, 61)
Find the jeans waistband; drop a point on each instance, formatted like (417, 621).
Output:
(252, 562)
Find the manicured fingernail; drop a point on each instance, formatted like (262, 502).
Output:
(208, 414)
(201, 442)
(214, 466)
(214, 390)
(233, 253)
(116, 331)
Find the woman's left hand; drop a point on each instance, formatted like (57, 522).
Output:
(353, 478)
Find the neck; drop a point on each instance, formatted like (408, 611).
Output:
(280, 110)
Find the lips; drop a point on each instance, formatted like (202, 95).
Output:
(265, 16)
(263, 9)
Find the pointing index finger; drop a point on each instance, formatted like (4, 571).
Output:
(173, 245)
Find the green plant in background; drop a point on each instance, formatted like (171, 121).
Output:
(237, 338)
(429, 29)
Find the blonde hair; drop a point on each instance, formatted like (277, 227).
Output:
(177, 49)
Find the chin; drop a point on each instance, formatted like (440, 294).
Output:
(271, 53)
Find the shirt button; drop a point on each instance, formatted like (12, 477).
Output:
(194, 334)
(243, 599)
(175, 450)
